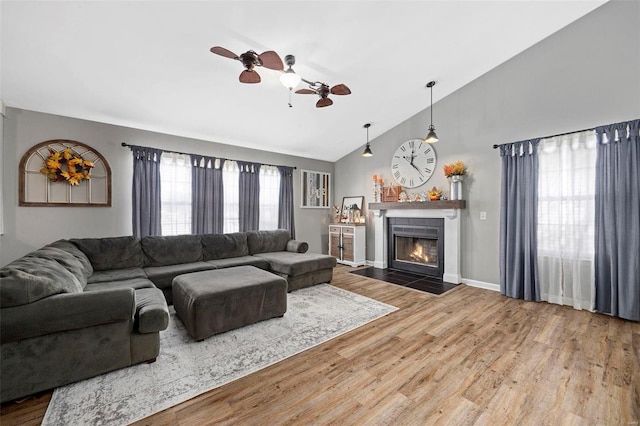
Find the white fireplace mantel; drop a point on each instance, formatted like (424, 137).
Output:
(451, 218)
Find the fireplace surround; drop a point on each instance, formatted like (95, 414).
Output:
(449, 211)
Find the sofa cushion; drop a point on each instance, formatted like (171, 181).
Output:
(69, 247)
(134, 283)
(65, 259)
(162, 276)
(240, 261)
(152, 313)
(171, 250)
(29, 279)
(267, 241)
(116, 275)
(222, 246)
(111, 253)
(298, 263)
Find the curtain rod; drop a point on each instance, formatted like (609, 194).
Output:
(547, 137)
(226, 159)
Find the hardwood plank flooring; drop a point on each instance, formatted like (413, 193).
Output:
(469, 356)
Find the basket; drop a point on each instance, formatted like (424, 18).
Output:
(390, 194)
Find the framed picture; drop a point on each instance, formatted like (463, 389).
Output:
(351, 210)
(315, 189)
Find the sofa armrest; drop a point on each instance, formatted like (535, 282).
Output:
(152, 312)
(67, 311)
(297, 246)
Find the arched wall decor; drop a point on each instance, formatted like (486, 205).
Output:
(36, 190)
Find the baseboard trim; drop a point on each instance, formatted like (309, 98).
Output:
(481, 284)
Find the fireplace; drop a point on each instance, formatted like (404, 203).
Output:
(416, 245)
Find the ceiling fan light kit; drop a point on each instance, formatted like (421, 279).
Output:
(270, 59)
(367, 149)
(431, 136)
(289, 78)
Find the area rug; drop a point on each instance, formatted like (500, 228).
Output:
(186, 368)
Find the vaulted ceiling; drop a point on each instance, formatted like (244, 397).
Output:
(147, 64)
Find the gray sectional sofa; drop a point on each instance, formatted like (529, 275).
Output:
(82, 307)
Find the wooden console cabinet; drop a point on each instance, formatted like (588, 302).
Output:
(347, 243)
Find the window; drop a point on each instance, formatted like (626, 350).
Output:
(566, 196)
(566, 219)
(231, 179)
(175, 178)
(269, 197)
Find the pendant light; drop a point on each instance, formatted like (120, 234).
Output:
(431, 137)
(367, 149)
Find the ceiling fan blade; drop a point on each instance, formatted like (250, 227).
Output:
(223, 52)
(249, 77)
(305, 92)
(324, 102)
(340, 89)
(271, 60)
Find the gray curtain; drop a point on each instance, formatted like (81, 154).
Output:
(617, 224)
(249, 195)
(518, 220)
(146, 191)
(285, 205)
(207, 195)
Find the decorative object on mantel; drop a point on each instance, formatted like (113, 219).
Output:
(434, 194)
(455, 172)
(391, 193)
(315, 189)
(64, 173)
(377, 189)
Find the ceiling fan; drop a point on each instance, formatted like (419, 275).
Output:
(250, 60)
(323, 90)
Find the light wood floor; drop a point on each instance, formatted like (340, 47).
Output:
(470, 356)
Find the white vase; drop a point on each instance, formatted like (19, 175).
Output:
(455, 187)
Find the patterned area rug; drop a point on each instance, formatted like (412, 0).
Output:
(186, 368)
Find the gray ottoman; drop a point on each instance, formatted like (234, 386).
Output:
(219, 300)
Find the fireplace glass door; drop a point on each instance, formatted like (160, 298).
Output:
(421, 251)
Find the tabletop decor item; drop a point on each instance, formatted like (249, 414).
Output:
(434, 194)
(455, 172)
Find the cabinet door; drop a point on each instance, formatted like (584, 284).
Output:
(347, 247)
(334, 245)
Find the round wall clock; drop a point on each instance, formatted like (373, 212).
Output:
(413, 163)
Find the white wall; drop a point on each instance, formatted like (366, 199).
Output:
(28, 228)
(585, 75)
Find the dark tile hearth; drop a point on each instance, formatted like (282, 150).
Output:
(406, 279)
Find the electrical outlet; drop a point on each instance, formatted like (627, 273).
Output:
(483, 215)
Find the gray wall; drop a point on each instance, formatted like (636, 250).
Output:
(585, 75)
(28, 228)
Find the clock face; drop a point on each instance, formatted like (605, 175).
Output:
(413, 163)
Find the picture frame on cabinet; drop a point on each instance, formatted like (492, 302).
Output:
(348, 212)
(315, 189)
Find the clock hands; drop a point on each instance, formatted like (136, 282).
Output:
(410, 160)
(416, 167)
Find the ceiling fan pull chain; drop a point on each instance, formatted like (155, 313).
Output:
(290, 104)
